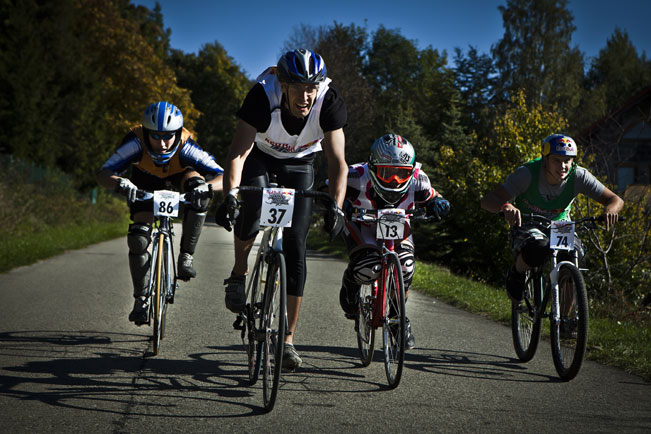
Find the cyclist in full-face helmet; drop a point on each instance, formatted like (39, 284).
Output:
(162, 155)
(391, 179)
(546, 186)
(290, 114)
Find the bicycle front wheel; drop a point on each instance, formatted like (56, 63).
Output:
(365, 332)
(159, 294)
(394, 326)
(254, 317)
(274, 322)
(526, 320)
(570, 335)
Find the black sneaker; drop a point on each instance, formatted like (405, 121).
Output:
(235, 293)
(515, 285)
(186, 269)
(140, 313)
(349, 302)
(291, 359)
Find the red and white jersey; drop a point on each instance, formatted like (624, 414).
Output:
(362, 195)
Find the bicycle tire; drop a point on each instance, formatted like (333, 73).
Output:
(166, 290)
(526, 321)
(158, 294)
(394, 326)
(253, 317)
(570, 336)
(365, 332)
(274, 326)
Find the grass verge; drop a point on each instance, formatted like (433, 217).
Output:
(626, 345)
(25, 249)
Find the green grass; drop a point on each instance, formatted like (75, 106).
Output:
(626, 345)
(25, 249)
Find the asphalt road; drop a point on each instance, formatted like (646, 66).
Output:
(70, 362)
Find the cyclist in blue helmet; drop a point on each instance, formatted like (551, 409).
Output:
(161, 155)
(290, 114)
(546, 186)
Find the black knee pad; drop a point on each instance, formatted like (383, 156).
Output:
(192, 224)
(535, 252)
(138, 238)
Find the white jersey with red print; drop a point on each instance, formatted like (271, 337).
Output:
(360, 193)
(276, 141)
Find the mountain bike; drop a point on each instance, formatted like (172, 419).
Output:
(382, 302)
(263, 322)
(163, 283)
(560, 283)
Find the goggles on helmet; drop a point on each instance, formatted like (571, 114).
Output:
(394, 175)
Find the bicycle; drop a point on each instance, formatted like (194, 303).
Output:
(263, 322)
(382, 302)
(562, 283)
(162, 284)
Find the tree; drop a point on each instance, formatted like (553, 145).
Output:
(218, 88)
(535, 54)
(475, 78)
(619, 70)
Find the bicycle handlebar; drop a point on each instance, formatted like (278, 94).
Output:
(305, 193)
(370, 216)
(142, 195)
(544, 219)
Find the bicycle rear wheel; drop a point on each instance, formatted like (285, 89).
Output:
(365, 332)
(274, 323)
(159, 294)
(570, 336)
(394, 326)
(254, 317)
(526, 321)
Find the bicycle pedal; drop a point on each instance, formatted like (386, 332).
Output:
(238, 324)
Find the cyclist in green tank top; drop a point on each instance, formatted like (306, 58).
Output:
(545, 186)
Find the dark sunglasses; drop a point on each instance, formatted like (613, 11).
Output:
(157, 136)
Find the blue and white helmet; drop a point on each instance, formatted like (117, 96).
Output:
(559, 144)
(162, 117)
(301, 66)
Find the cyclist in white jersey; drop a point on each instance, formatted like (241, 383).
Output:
(289, 115)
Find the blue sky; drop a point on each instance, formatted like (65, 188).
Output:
(253, 32)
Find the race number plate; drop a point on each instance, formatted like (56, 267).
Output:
(562, 235)
(166, 203)
(277, 207)
(390, 224)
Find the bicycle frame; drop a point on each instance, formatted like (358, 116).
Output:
(380, 286)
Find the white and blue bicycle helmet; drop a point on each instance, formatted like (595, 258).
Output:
(301, 66)
(162, 117)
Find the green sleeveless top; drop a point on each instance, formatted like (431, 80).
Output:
(532, 202)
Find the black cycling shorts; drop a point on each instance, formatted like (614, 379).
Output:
(290, 173)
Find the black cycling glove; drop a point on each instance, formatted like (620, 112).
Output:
(334, 220)
(227, 212)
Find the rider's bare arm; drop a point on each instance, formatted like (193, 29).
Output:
(334, 144)
(240, 148)
(497, 200)
(612, 206)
